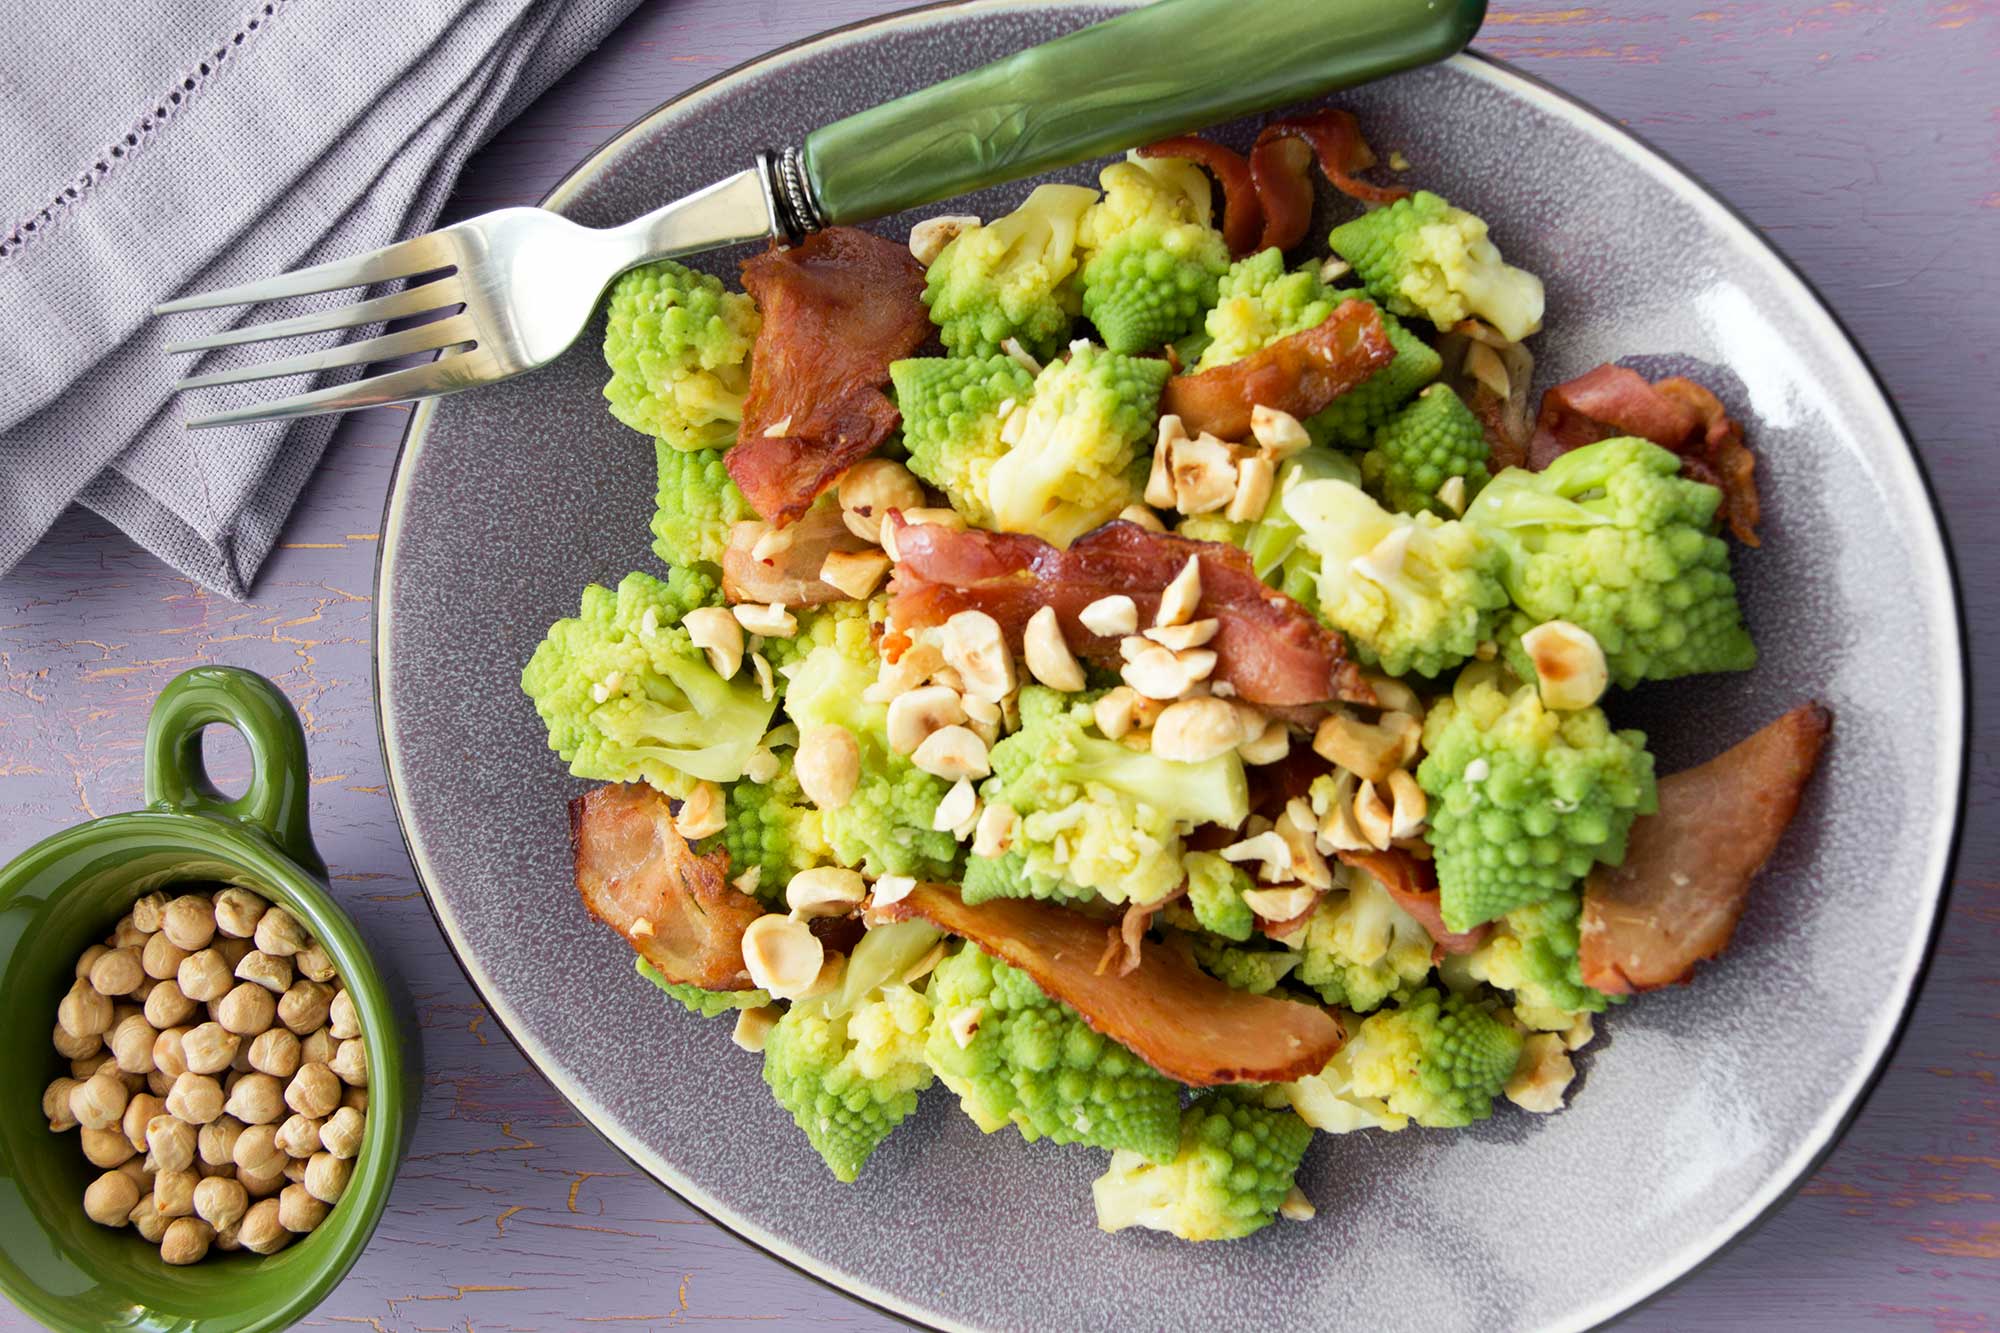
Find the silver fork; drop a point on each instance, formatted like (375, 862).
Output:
(525, 281)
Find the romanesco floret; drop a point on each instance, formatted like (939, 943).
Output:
(1071, 454)
(1007, 876)
(1532, 954)
(1420, 447)
(1412, 592)
(849, 1065)
(1524, 799)
(951, 421)
(1272, 538)
(1245, 968)
(1104, 816)
(1010, 277)
(1152, 257)
(772, 827)
(707, 1003)
(1421, 256)
(696, 503)
(1215, 895)
(1032, 1062)
(1259, 302)
(885, 826)
(627, 697)
(1612, 538)
(1360, 948)
(1234, 1166)
(850, 624)
(1349, 420)
(678, 345)
(1439, 1060)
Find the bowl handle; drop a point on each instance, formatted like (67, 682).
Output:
(275, 804)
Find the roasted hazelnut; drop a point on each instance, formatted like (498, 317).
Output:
(55, 1105)
(186, 1240)
(295, 1170)
(203, 976)
(105, 1148)
(74, 1048)
(298, 1210)
(209, 1047)
(314, 963)
(117, 972)
(237, 912)
(341, 1018)
(189, 921)
(257, 1099)
(99, 1101)
(341, 1132)
(132, 1044)
(149, 913)
(306, 1006)
(170, 1143)
(83, 1012)
(260, 1231)
(220, 1202)
(159, 1083)
(350, 1063)
(110, 1199)
(167, 1006)
(196, 1098)
(216, 1141)
(314, 1091)
(276, 1051)
(326, 1176)
(161, 957)
(89, 960)
(142, 1175)
(247, 1010)
(169, 1056)
(127, 935)
(83, 1069)
(139, 1113)
(299, 1136)
(173, 1192)
(280, 934)
(233, 951)
(356, 1098)
(318, 1046)
(271, 972)
(146, 1219)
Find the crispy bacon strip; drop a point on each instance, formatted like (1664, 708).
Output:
(1688, 869)
(638, 876)
(838, 308)
(1675, 414)
(1242, 215)
(1413, 884)
(1278, 164)
(1122, 941)
(1267, 646)
(1335, 138)
(790, 575)
(1177, 1018)
(1299, 374)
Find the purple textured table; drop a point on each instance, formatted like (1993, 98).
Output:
(1865, 139)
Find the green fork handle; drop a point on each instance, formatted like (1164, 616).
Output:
(1162, 69)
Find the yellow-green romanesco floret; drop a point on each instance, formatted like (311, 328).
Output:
(1422, 446)
(951, 421)
(1215, 890)
(1007, 876)
(1152, 259)
(707, 1003)
(1105, 817)
(627, 697)
(1439, 1060)
(1532, 955)
(1524, 799)
(772, 827)
(849, 1065)
(1073, 450)
(1360, 949)
(1612, 538)
(1352, 418)
(678, 344)
(885, 826)
(695, 504)
(1011, 277)
(1412, 592)
(1421, 256)
(1233, 1168)
(1245, 967)
(1032, 1062)
(1259, 302)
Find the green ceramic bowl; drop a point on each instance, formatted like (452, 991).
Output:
(64, 894)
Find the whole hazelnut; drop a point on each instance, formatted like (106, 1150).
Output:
(237, 912)
(196, 1098)
(146, 1219)
(105, 1148)
(247, 1010)
(314, 1091)
(299, 1136)
(279, 933)
(216, 1141)
(110, 1199)
(189, 922)
(170, 1144)
(260, 1231)
(204, 976)
(341, 1133)
(55, 1105)
(209, 1047)
(162, 957)
(132, 1044)
(305, 1006)
(173, 1192)
(341, 1019)
(258, 1099)
(326, 1176)
(186, 1240)
(298, 1210)
(168, 1006)
(117, 972)
(83, 1012)
(139, 1113)
(275, 1051)
(220, 1202)
(149, 913)
(99, 1101)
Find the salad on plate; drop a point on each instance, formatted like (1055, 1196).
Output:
(1151, 674)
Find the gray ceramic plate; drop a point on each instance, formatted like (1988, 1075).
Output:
(1698, 1110)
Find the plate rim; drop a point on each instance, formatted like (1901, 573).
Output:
(1954, 681)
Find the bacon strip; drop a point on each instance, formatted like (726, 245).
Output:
(1335, 137)
(790, 575)
(1299, 374)
(838, 308)
(1278, 164)
(638, 876)
(1175, 1017)
(1242, 214)
(1688, 869)
(1413, 884)
(1268, 647)
(1675, 414)
(1122, 941)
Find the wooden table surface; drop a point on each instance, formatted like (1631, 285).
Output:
(1863, 137)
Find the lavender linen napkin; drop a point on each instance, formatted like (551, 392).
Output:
(188, 144)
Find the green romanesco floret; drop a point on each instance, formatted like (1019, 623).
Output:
(1215, 895)
(951, 421)
(627, 697)
(1152, 259)
(1011, 277)
(1419, 448)
(1524, 799)
(885, 826)
(1351, 419)
(1612, 538)
(1007, 876)
(695, 504)
(678, 344)
(1234, 1166)
(1105, 817)
(772, 827)
(1072, 452)
(1258, 302)
(1032, 1062)
(1412, 592)
(1439, 1060)
(1421, 256)
(707, 1003)
(850, 624)
(1532, 955)
(849, 1065)
(1241, 967)
(1361, 949)
(1272, 539)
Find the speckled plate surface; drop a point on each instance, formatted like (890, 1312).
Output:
(1696, 1111)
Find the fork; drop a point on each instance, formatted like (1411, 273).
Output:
(513, 289)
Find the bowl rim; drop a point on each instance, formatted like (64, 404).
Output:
(244, 847)
(1940, 580)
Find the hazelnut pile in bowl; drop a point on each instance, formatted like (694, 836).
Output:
(217, 1075)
